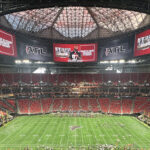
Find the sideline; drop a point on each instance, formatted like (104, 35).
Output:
(142, 122)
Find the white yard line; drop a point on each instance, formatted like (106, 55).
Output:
(106, 133)
(44, 131)
(12, 134)
(75, 130)
(89, 120)
(88, 131)
(57, 130)
(51, 119)
(68, 132)
(63, 135)
(114, 129)
(81, 131)
(102, 137)
(136, 136)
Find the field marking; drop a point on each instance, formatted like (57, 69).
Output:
(34, 131)
(114, 131)
(89, 135)
(75, 135)
(140, 135)
(63, 134)
(35, 135)
(22, 135)
(126, 130)
(115, 135)
(75, 131)
(106, 134)
(95, 136)
(100, 134)
(68, 131)
(87, 131)
(48, 135)
(141, 122)
(53, 128)
(81, 131)
(12, 134)
(122, 130)
(56, 133)
(45, 129)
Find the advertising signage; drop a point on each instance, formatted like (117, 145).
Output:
(75, 52)
(7, 44)
(142, 43)
(117, 49)
(34, 49)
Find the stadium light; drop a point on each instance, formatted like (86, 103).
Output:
(38, 62)
(50, 63)
(26, 61)
(41, 70)
(121, 61)
(18, 61)
(132, 61)
(104, 62)
(114, 61)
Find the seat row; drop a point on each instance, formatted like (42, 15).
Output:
(105, 105)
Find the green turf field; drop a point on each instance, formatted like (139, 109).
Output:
(73, 131)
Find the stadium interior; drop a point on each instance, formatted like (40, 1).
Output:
(85, 62)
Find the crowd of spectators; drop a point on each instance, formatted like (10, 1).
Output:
(144, 118)
(75, 90)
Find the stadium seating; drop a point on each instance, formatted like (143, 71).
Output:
(75, 105)
(46, 103)
(137, 103)
(126, 106)
(6, 107)
(53, 104)
(23, 106)
(66, 105)
(57, 105)
(115, 107)
(84, 104)
(11, 102)
(104, 103)
(35, 106)
(99, 78)
(93, 105)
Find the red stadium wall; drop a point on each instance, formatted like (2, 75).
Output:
(105, 105)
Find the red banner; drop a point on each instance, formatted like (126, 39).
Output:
(7, 44)
(142, 43)
(75, 52)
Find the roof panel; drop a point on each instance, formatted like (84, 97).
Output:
(74, 22)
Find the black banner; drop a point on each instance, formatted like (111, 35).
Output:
(34, 49)
(117, 48)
